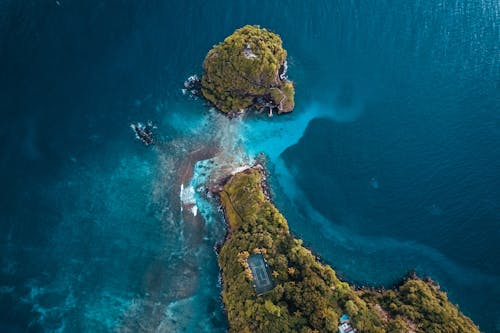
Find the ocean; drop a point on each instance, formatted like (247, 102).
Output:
(389, 163)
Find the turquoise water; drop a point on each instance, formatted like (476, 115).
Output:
(389, 163)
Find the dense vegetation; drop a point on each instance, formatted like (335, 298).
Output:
(246, 71)
(308, 296)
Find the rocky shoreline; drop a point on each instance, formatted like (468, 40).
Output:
(256, 226)
(247, 71)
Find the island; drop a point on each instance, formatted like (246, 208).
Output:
(247, 71)
(272, 283)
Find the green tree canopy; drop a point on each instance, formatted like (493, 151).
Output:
(246, 71)
(308, 296)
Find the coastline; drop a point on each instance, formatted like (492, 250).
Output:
(368, 308)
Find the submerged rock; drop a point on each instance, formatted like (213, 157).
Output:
(144, 133)
(248, 71)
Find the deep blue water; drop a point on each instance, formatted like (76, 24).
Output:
(389, 163)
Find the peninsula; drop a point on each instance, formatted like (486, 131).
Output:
(307, 296)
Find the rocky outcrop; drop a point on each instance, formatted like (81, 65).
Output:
(248, 71)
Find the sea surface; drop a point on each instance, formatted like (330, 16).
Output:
(389, 163)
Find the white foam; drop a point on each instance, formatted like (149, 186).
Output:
(187, 195)
(240, 169)
(194, 210)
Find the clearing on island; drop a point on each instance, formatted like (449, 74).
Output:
(260, 273)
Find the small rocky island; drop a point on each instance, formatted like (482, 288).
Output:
(306, 295)
(247, 71)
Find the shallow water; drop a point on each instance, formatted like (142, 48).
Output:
(391, 154)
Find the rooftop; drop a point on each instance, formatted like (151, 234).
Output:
(345, 325)
(344, 318)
